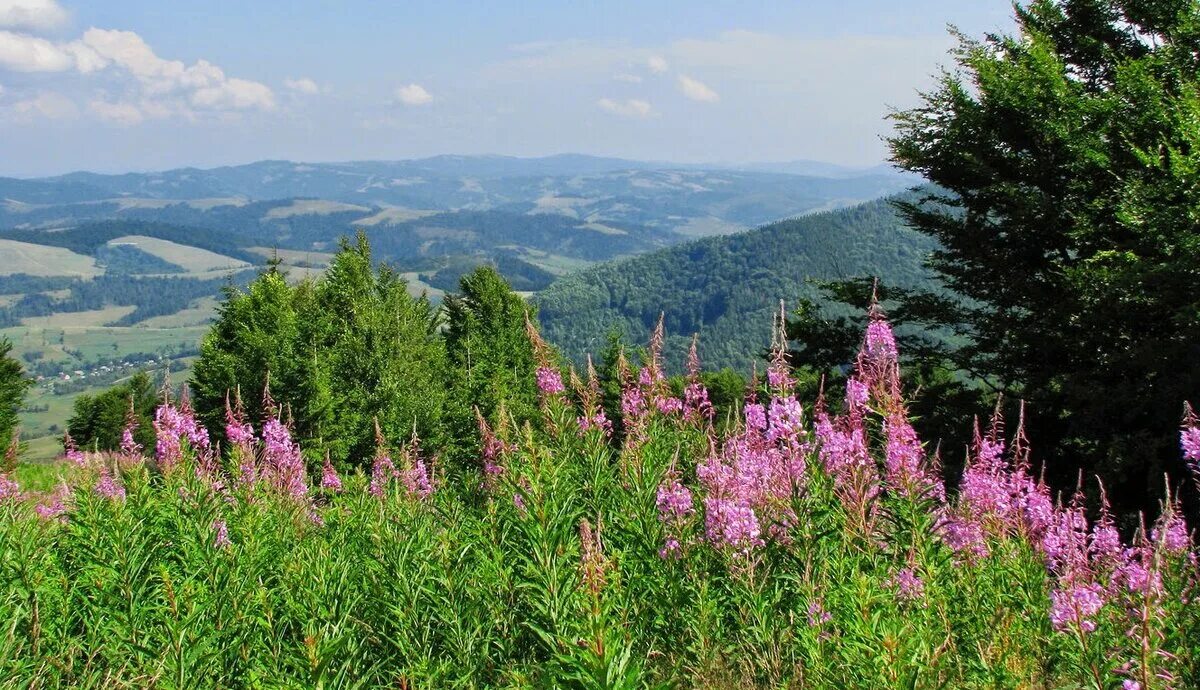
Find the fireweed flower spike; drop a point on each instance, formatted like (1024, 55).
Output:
(240, 434)
(1189, 440)
(696, 404)
(330, 481)
(416, 478)
(10, 490)
(549, 380)
(779, 376)
(107, 486)
(591, 411)
(383, 470)
(221, 535)
(282, 461)
(72, 452)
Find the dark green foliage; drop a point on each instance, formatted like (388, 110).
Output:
(1069, 156)
(98, 421)
(376, 354)
(13, 384)
(727, 288)
(340, 352)
(491, 361)
(128, 259)
(521, 275)
(256, 332)
(153, 296)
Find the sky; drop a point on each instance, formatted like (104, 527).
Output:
(136, 85)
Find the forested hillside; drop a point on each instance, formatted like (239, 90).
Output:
(727, 288)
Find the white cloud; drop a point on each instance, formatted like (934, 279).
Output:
(178, 87)
(630, 108)
(46, 105)
(22, 53)
(234, 94)
(413, 94)
(33, 15)
(657, 64)
(120, 113)
(628, 78)
(697, 90)
(302, 85)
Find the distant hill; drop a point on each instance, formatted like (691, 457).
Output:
(727, 288)
(691, 200)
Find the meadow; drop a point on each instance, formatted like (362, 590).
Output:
(797, 546)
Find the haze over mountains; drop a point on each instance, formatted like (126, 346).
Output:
(541, 216)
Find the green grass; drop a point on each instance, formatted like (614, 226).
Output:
(95, 342)
(39, 476)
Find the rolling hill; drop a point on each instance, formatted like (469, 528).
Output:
(727, 288)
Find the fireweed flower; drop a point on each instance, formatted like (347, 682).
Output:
(696, 404)
(1075, 607)
(592, 414)
(10, 490)
(72, 452)
(282, 459)
(908, 585)
(492, 454)
(221, 535)
(383, 470)
(549, 381)
(674, 502)
(108, 487)
(904, 460)
(817, 615)
(675, 505)
(330, 481)
(1171, 532)
(129, 447)
(416, 478)
(55, 503)
(1189, 440)
(240, 434)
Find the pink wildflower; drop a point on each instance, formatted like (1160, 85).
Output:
(108, 487)
(9, 489)
(330, 481)
(1076, 606)
(73, 454)
(221, 535)
(909, 586)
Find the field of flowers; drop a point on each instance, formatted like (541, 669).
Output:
(800, 547)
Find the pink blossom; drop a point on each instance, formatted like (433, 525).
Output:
(9, 489)
(731, 524)
(674, 502)
(549, 381)
(330, 481)
(282, 460)
(108, 487)
(382, 471)
(73, 454)
(221, 535)
(909, 586)
(1076, 606)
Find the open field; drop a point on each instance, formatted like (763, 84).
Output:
(192, 259)
(92, 343)
(74, 319)
(38, 260)
(198, 313)
(295, 257)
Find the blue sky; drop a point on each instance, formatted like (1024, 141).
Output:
(114, 85)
